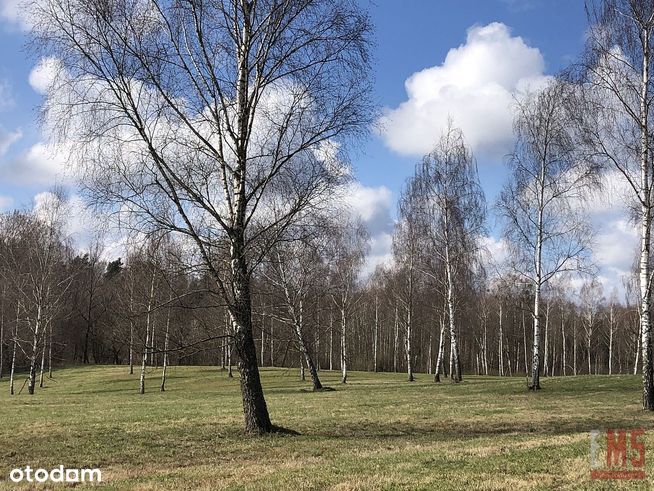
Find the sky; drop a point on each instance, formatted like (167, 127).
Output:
(434, 59)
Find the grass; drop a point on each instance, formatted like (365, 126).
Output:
(377, 432)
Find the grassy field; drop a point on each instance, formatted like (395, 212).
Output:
(378, 432)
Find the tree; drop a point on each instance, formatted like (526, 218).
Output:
(591, 297)
(614, 121)
(35, 257)
(547, 233)
(450, 210)
(346, 252)
(297, 270)
(216, 121)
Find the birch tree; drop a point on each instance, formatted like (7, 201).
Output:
(346, 252)
(544, 225)
(209, 120)
(451, 211)
(297, 270)
(614, 118)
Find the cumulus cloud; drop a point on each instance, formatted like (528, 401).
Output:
(475, 86)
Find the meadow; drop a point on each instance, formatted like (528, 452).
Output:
(376, 432)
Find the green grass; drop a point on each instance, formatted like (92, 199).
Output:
(377, 432)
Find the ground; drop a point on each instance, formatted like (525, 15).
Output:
(376, 432)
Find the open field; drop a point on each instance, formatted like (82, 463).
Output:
(378, 432)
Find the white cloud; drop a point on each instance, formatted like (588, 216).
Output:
(616, 245)
(40, 164)
(43, 74)
(494, 253)
(14, 13)
(475, 86)
(8, 138)
(373, 206)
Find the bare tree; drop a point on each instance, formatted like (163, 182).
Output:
(217, 121)
(547, 233)
(346, 252)
(297, 270)
(614, 118)
(450, 210)
(591, 297)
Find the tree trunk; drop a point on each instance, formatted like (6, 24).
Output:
(35, 341)
(455, 361)
(331, 340)
(343, 347)
(42, 367)
(396, 339)
(2, 333)
(131, 328)
(535, 359)
(564, 357)
(500, 368)
(646, 225)
(547, 335)
(485, 344)
(50, 352)
(574, 348)
(638, 339)
(611, 321)
(376, 335)
(298, 324)
(230, 374)
(409, 326)
(441, 350)
(165, 353)
(429, 355)
(146, 347)
(272, 341)
(409, 365)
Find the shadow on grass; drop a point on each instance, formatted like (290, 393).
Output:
(465, 430)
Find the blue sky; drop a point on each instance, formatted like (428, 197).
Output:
(415, 35)
(464, 59)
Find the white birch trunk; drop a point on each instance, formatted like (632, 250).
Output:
(611, 321)
(455, 362)
(646, 225)
(50, 352)
(42, 367)
(376, 334)
(165, 353)
(146, 347)
(343, 346)
(563, 354)
(396, 341)
(35, 342)
(500, 350)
